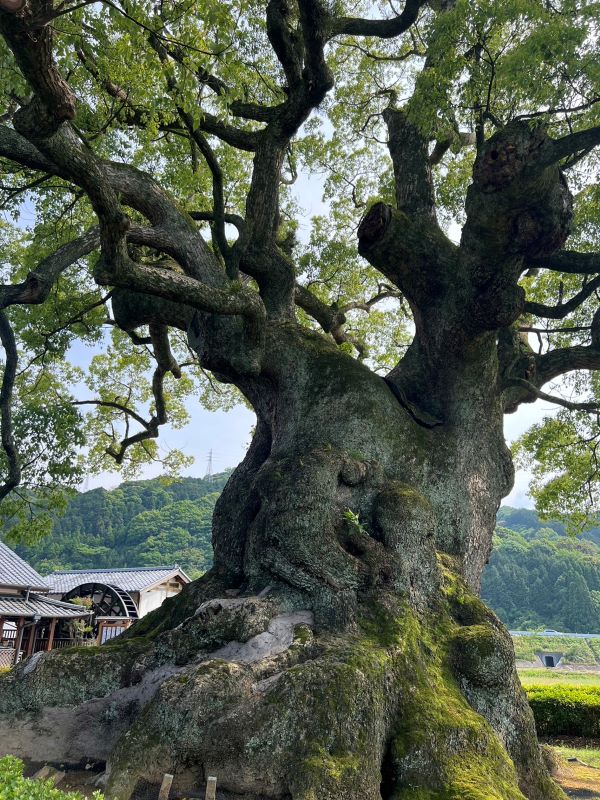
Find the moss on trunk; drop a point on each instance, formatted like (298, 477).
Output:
(380, 710)
(335, 650)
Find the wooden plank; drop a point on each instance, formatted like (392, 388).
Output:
(57, 776)
(19, 638)
(43, 773)
(165, 787)
(50, 773)
(51, 634)
(211, 789)
(31, 638)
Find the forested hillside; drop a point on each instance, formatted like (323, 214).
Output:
(540, 577)
(140, 523)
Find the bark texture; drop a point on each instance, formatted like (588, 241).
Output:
(337, 648)
(326, 654)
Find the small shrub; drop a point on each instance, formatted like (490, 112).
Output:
(13, 786)
(565, 710)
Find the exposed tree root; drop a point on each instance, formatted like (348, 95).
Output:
(400, 705)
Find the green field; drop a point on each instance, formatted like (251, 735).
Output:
(558, 677)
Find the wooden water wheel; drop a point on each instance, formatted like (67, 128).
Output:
(106, 601)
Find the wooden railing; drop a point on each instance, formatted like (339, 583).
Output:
(8, 637)
(58, 644)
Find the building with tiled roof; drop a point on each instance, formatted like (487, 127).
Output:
(117, 596)
(17, 574)
(30, 619)
(130, 579)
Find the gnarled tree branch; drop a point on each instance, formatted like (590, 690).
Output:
(531, 388)
(13, 475)
(564, 309)
(381, 28)
(567, 261)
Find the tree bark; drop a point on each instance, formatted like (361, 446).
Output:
(335, 649)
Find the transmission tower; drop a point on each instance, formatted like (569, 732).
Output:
(209, 468)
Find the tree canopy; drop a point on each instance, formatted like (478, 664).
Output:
(158, 148)
(540, 577)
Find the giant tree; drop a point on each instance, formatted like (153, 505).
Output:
(337, 648)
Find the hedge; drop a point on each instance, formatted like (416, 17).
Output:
(13, 786)
(565, 710)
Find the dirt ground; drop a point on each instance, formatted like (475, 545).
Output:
(578, 779)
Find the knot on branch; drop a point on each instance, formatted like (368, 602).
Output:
(373, 225)
(507, 154)
(518, 203)
(544, 228)
(38, 121)
(103, 272)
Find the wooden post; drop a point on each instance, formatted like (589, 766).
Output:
(43, 773)
(165, 787)
(50, 641)
(18, 638)
(50, 773)
(1, 627)
(211, 789)
(31, 639)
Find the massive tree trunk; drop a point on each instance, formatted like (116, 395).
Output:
(337, 648)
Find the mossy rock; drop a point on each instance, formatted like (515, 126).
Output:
(71, 676)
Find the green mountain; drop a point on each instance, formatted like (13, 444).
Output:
(540, 577)
(140, 523)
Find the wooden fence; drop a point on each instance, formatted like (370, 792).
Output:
(48, 772)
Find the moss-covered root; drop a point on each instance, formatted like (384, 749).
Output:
(314, 730)
(69, 677)
(481, 658)
(376, 713)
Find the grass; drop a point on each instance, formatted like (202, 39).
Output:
(558, 677)
(589, 755)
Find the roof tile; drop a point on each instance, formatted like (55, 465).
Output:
(14, 606)
(17, 573)
(134, 579)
